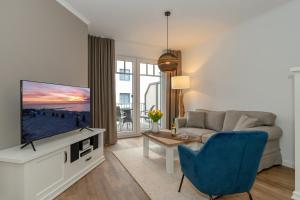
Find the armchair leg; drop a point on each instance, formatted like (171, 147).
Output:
(181, 183)
(250, 196)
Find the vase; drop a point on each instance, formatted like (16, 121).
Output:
(155, 127)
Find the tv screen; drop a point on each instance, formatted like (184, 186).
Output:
(51, 109)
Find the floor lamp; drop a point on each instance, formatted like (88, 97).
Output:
(180, 83)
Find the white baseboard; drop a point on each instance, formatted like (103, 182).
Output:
(289, 164)
(296, 195)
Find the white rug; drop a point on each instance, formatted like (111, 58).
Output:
(152, 177)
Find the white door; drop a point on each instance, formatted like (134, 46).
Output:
(151, 91)
(125, 96)
(139, 88)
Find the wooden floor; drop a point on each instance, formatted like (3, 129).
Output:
(111, 181)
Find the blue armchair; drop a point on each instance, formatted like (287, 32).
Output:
(226, 164)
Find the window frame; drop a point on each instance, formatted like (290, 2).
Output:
(122, 94)
(125, 75)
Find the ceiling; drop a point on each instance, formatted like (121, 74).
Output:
(191, 22)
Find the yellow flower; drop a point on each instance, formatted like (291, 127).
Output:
(155, 115)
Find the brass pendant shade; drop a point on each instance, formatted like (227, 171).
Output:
(167, 62)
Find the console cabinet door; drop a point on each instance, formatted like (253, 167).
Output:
(44, 175)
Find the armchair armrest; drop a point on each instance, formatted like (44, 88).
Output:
(180, 122)
(274, 132)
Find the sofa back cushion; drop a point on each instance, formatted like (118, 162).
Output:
(195, 119)
(232, 117)
(214, 120)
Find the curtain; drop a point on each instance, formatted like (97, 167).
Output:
(172, 96)
(101, 63)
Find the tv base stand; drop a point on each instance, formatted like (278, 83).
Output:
(87, 128)
(32, 145)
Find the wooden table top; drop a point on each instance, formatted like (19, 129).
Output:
(165, 137)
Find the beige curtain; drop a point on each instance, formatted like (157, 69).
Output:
(172, 96)
(101, 56)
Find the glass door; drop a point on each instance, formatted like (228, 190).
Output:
(149, 92)
(125, 97)
(139, 89)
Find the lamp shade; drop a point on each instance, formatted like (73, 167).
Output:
(180, 82)
(167, 62)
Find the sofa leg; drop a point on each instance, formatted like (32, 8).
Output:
(181, 183)
(250, 196)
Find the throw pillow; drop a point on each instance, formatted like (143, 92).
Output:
(195, 119)
(214, 120)
(246, 122)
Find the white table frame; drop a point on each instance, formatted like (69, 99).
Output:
(169, 152)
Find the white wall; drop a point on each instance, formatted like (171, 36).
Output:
(248, 68)
(40, 41)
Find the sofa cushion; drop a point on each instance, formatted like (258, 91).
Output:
(246, 122)
(195, 131)
(232, 117)
(214, 119)
(195, 119)
(180, 122)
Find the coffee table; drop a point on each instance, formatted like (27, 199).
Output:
(165, 139)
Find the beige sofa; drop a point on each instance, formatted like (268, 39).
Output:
(217, 121)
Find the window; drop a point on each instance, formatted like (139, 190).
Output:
(124, 98)
(149, 70)
(124, 70)
(124, 75)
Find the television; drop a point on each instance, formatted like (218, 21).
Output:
(50, 109)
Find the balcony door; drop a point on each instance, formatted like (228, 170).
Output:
(139, 89)
(149, 91)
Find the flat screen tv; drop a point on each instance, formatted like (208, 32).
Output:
(51, 109)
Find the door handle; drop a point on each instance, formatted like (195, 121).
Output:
(66, 157)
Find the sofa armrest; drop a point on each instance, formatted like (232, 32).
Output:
(180, 122)
(274, 132)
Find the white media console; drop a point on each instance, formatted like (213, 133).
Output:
(57, 163)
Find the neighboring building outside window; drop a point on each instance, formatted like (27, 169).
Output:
(124, 75)
(124, 98)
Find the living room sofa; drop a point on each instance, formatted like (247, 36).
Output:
(218, 121)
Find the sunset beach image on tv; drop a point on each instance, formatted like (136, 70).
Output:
(50, 109)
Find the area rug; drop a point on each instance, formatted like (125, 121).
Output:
(150, 174)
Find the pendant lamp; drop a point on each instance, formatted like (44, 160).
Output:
(167, 62)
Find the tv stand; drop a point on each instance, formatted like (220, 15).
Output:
(32, 145)
(87, 128)
(46, 173)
